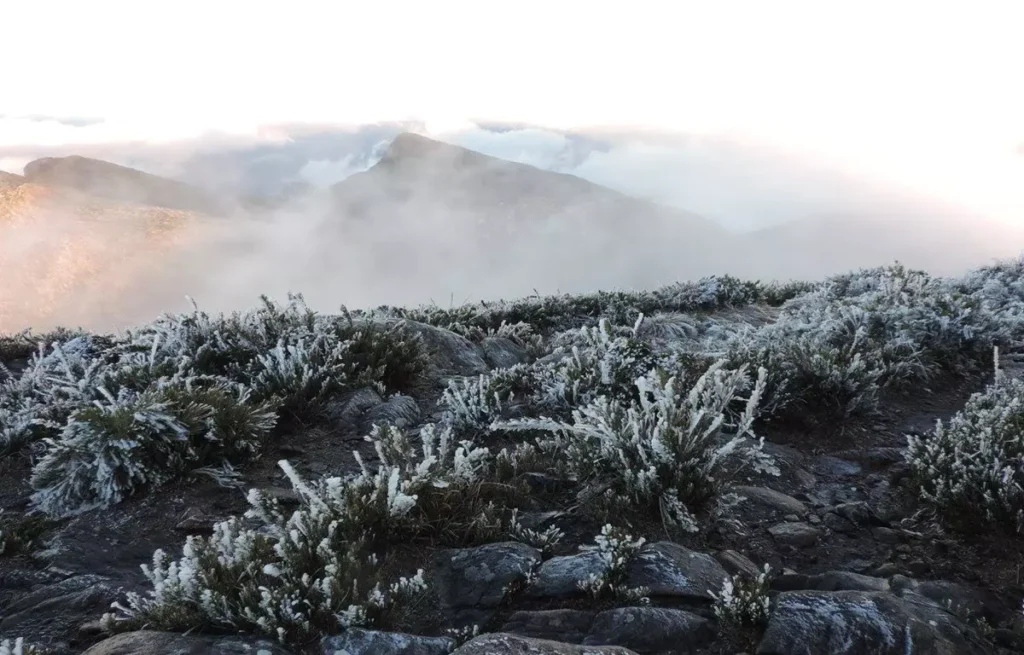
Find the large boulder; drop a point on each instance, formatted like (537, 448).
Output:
(450, 354)
(502, 352)
(671, 570)
(479, 577)
(401, 411)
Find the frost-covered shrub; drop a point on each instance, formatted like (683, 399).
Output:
(121, 444)
(21, 534)
(827, 360)
(543, 540)
(392, 355)
(470, 405)
(861, 333)
(587, 363)
(671, 327)
(18, 647)
(59, 379)
(109, 416)
(971, 470)
(302, 374)
(616, 549)
(598, 363)
(743, 604)
(673, 449)
(552, 313)
(296, 580)
(310, 572)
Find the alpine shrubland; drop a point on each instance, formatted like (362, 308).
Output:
(647, 405)
(971, 469)
(109, 416)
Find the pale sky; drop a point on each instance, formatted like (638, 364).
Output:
(924, 93)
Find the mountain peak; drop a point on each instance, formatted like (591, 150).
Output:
(410, 144)
(107, 180)
(409, 148)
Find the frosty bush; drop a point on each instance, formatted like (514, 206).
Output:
(562, 312)
(743, 604)
(616, 549)
(543, 540)
(302, 374)
(972, 469)
(111, 416)
(599, 363)
(671, 449)
(121, 444)
(471, 405)
(298, 582)
(21, 534)
(18, 647)
(861, 333)
(310, 572)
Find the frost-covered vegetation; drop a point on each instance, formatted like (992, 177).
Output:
(617, 549)
(743, 604)
(18, 647)
(553, 313)
(110, 416)
(666, 449)
(648, 404)
(972, 469)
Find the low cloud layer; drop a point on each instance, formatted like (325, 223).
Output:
(741, 184)
(226, 265)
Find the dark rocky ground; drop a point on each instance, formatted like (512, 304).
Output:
(860, 569)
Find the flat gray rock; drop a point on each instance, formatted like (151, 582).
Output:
(449, 353)
(502, 643)
(57, 608)
(401, 411)
(650, 630)
(570, 626)
(962, 598)
(347, 410)
(796, 534)
(863, 623)
(737, 563)
(151, 642)
(773, 499)
(829, 581)
(356, 641)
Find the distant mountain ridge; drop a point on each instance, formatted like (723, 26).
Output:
(422, 188)
(120, 183)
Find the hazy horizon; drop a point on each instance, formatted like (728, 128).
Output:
(750, 115)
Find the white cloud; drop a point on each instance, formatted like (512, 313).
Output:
(325, 172)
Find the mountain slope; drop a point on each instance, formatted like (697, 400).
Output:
(434, 207)
(10, 179)
(106, 180)
(65, 253)
(941, 241)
